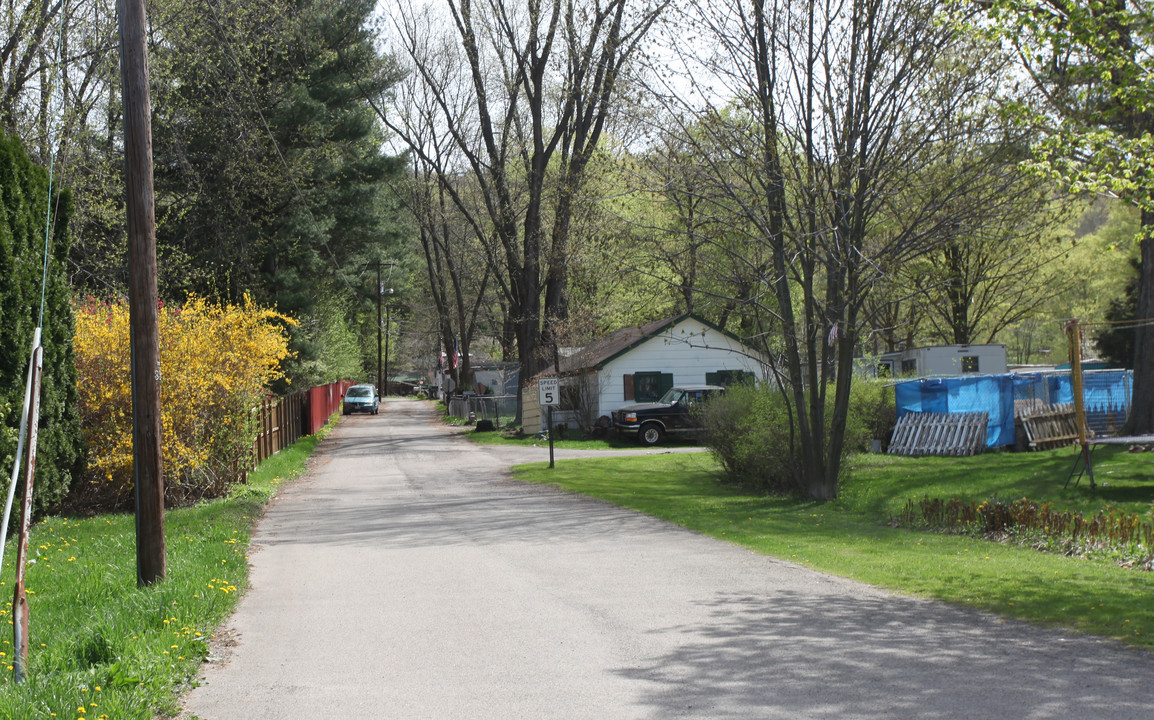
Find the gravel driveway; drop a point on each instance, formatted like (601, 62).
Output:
(406, 576)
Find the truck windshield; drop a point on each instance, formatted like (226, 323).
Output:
(671, 396)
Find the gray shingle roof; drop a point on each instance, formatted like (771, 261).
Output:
(601, 351)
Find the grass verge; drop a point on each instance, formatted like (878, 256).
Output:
(850, 537)
(99, 647)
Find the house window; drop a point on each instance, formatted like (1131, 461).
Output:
(885, 369)
(647, 386)
(969, 363)
(909, 367)
(728, 378)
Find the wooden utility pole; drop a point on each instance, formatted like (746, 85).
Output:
(145, 340)
(380, 291)
(382, 382)
(388, 319)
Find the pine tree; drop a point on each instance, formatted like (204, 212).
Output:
(1116, 343)
(269, 167)
(270, 174)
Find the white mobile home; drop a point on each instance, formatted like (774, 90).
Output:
(944, 361)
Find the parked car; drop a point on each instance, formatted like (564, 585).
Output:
(672, 414)
(361, 398)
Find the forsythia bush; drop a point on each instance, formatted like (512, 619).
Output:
(215, 364)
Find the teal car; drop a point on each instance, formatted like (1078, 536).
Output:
(361, 398)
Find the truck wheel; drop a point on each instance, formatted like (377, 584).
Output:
(651, 434)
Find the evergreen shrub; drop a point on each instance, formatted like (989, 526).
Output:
(24, 205)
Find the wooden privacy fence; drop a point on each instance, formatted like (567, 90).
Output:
(950, 434)
(280, 423)
(1049, 426)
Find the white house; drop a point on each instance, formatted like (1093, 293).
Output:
(944, 361)
(638, 364)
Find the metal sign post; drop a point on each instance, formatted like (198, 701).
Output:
(548, 395)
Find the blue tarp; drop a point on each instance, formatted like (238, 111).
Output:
(993, 394)
(1106, 396)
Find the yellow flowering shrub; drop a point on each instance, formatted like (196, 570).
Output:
(216, 361)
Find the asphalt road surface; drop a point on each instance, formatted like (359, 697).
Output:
(406, 576)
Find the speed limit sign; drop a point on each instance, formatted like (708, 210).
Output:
(548, 391)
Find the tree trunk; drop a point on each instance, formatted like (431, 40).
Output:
(1141, 420)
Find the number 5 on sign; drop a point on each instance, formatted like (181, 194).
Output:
(548, 391)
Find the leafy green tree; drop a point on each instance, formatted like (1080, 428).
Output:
(24, 206)
(994, 273)
(839, 121)
(703, 248)
(1090, 275)
(1090, 62)
(329, 342)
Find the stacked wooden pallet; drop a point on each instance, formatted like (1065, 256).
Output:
(1049, 426)
(949, 434)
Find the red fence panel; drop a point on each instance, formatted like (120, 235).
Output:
(324, 400)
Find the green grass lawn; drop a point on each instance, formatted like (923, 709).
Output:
(99, 647)
(850, 537)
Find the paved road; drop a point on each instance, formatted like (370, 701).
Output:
(407, 577)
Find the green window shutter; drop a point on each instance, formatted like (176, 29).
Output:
(666, 384)
(713, 378)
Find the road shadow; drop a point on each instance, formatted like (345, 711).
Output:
(796, 655)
